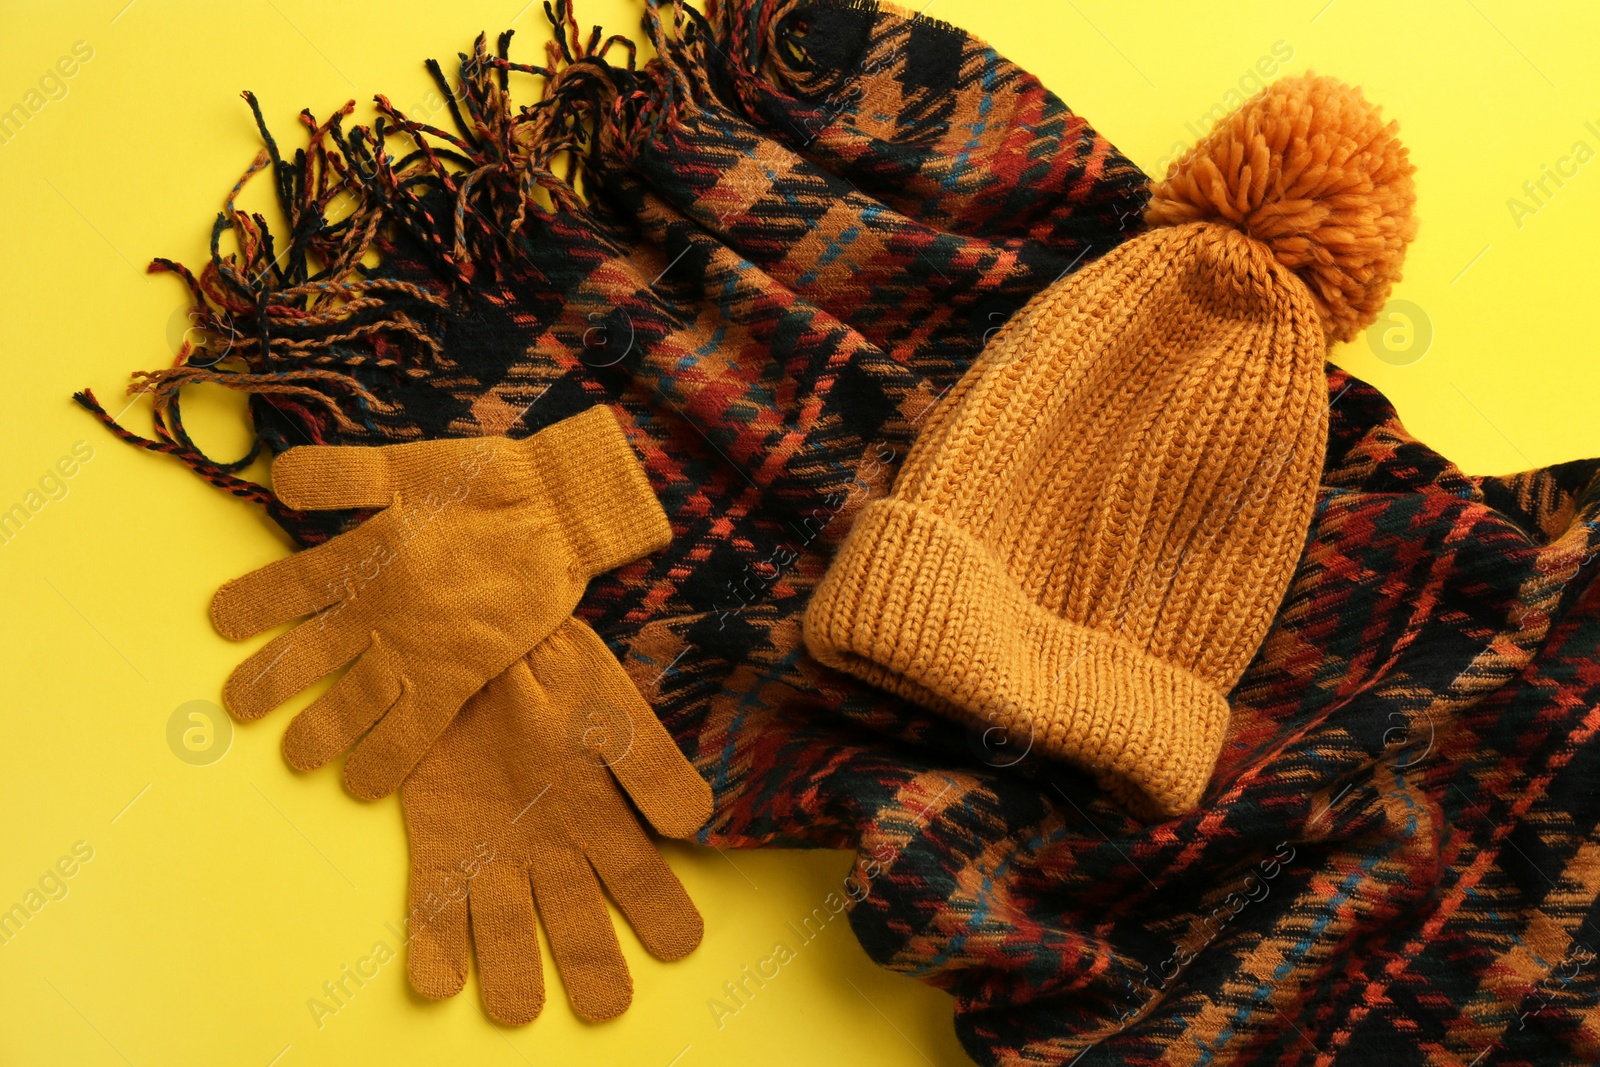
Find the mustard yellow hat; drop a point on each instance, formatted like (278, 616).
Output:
(1094, 531)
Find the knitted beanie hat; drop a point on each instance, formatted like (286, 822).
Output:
(1093, 533)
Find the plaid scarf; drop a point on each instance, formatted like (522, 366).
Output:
(771, 250)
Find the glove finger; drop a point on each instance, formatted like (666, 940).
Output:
(337, 719)
(287, 664)
(581, 674)
(382, 759)
(581, 938)
(664, 785)
(307, 581)
(437, 949)
(645, 889)
(319, 477)
(505, 941)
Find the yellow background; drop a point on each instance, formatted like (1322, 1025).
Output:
(221, 897)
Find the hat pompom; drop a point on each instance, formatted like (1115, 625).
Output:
(1310, 169)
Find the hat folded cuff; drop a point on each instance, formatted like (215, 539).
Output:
(916, 606)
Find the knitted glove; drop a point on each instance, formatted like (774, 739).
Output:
(483, 548)
(514, 809)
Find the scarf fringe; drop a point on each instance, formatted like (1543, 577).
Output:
(218, 474)
(278, 322)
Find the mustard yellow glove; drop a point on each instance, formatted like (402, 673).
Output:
(515, 812)
(483, 548)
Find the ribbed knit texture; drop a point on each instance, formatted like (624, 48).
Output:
(1089, 543)
(484, 548)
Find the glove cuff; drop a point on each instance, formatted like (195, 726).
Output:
(596, 488)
